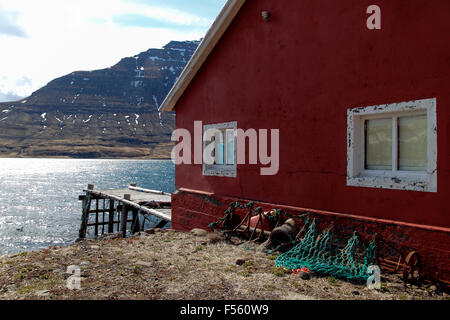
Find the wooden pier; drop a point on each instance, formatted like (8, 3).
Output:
(108, 211)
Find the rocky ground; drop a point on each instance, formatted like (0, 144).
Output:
(164, 264)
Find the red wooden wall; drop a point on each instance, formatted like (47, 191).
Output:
(300, 73)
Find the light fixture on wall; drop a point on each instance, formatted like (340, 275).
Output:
(266, 15)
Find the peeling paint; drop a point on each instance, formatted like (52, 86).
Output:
(357, 176)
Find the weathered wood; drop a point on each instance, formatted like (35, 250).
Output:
(124, 220)
(103, 214)
(96, 218)
(107, 222)
(84, 218)
(148, 190)
(82, 197)
(99, 210)
(133, 204)
(145, 202)
(111, 217)
(156, 204)
(161, 224)
(135, 227)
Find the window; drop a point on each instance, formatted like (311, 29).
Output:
(219, 145)
(393, 146)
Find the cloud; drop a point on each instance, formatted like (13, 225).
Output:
(9, 25)
(204, 8)
(13, 88)
(24, 81)
(72, 35)
(142, 21)
(9, 96)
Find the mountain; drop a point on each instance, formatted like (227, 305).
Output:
(108, 113)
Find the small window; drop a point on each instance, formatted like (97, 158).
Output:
(393, 146)
(219, 143)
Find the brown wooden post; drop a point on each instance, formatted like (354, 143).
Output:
(86, 207)
(96, 217)
(82, 231)
(103, 216)
(111, 217)
(135, 224)
(124, 220)
(124, 216)
(119, 212)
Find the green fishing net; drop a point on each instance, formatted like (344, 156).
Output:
(323, 253)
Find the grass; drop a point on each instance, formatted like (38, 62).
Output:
(246, 273)
(333, 281)
(384, 288)
(41, 284)
(279, 272)
(137, 269)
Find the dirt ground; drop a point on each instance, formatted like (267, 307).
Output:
(174, 265)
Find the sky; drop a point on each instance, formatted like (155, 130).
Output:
(41, 40)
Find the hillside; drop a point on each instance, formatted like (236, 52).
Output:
(109, 113)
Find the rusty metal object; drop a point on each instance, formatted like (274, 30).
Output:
(412, 267)
(286, 233)
(283, 236)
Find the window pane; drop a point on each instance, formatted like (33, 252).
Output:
(379, 144)
(230, 146)
(220, 153)
(412, 132)
(219, 147)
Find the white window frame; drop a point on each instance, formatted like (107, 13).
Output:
(221, 170)
(358, 176)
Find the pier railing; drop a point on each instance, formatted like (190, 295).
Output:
(123, 210)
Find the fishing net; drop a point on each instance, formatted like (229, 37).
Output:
(323, 253)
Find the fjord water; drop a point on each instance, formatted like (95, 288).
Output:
(39, 204)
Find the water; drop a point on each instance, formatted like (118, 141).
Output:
(39, 204)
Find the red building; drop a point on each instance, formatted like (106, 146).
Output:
(361, 99)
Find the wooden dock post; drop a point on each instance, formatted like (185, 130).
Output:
(135, 226)
(124, 220)
(111, 216)
(86, 207)
(124, 216)
(118, 207)
(96, 218)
